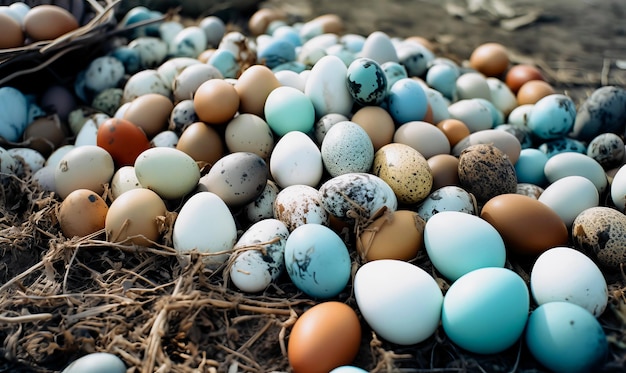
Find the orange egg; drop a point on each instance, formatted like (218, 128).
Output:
(520, 74)
(122, 139)
(82, 213)
(216, 101)
(201, 142)
(11, 34)
(490, 59)
(527, 226)
(324, 337)
(395, 235)
(47, 22)
(445, 170)
(150, 112)
(533, 91)
(377, 123)
(253, 87)
(454, 129)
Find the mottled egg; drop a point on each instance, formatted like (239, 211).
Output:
(552, 117)
(394, 72)
(188, 42)
(604, 111)
(562, 145)
(447, 198)
(405, 170)
(347, 148)
(395, 235)
(367, 82)
(607, 149)
(529, 190)
(297, 205)
(520, 131)
(152, 50)
(124, 180)
(237, 178)
(486, 171)
(183, 114)
(325, 123)
(143, 82)
(599, 232)
(263, 206)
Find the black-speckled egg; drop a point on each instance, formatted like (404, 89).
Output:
(601, 233)
(607, 149)
(367, 82)
(486, 172)
(238, 178)
(604, 111)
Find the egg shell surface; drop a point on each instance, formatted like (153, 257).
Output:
(395, 235)
(296, 159)
(599, 232)
(297, 205)
(569, 196)
(132, 217)
(83, 167)
(347, 148)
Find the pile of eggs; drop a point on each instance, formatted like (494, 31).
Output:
(304, 150)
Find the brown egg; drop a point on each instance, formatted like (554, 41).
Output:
(45, 134)
(486, 171)
(454, 129)
(377, 123)
(328, 23)
(202, 143)
(445, 170)
(82, 213)
(253, 87)
(47, 22)
(324, 337)
(526, 225)
(533, 91)
(134, 217)
(11, 34)
(261, 19)
(216, 101)
(520, 74)
(395, 235)
(150, 112)
(490, 59)
(599, 232)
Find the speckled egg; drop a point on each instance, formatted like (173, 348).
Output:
(237, 178)
(405, 170)
(563, 145)
(529, 190)
(447, 198)
(182, 116)
(552, 117)
(367, 82)
(263, 206)
(323, 125)
(599, 232)
(604, 111)
(296, 205)
(607, 149)
(521, 132)
(486, 172)
(347, 148)
(356, 196)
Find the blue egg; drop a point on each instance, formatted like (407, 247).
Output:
(129, 57)
(276, 52)
(295, 66)
(415, 57)
(497, 116)
(563, 145)
(288, 33)
(566, 337)
(367, 82)
(225, 61)
(394, 72)
(407, 101)
(141, 14)
(289, 109)
(317, 261)
(353, 42)
(529, 167)
(442, 77)
(552, 117)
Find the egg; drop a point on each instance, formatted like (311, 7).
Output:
(260, 20)
(83, 167)
(527, 226)
(395, 235)
(201, 142)
(237, 178)
(602, 112)
(325, 123)
(183, 114)
(562, 145)
(152, 50)
(323, 24)
(259, 256)
(186, 83)
(347, 148)
(144, 82)
(123, 140)
(473, 113)
(491, 59)
(287, 109)
(97, 362)
(405, 170)
(442, 77)
(169, 172)
(533, 91)
(263, 206)
(167, 139)
(188, 42)
(529, 190)
(205, 224)
(424, 137)
(485, 311)
(486, 171)
(447, 198)
(581, 282)
(216, 101)
(454, 129)
(170, 69)
(317, 261)
(472, 85)
(530, 165)
(14, 121)
(124, 180)
(607, 149)
(11, 31)
(570, 196)
(565, 337)
(47, 22)
(599, 231)
(133, 217)
(29, 160)
(378, 124)
(297, 205)
(517, 75)
(253, 87)
(296, 159)
(82, 213)
(506, 142)
(324, 337)
(45, 134)
(400, 301)
(103, 72)
(445, 170)
(367, 82)
(552, 117)
(576, 164)
(407, 101)
(501, 96)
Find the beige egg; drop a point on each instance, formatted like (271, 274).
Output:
(486, 171)
(424, 137)
(378, 124)
(134, 217)
(82, 213)
(249, 133)
(599, 232)
(150, 112)
(405, 170)
(83, 167)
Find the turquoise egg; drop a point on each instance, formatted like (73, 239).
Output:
(442, 77)
(485, 311)
(289, 109)
(563, 145)
(367, 82)
(565, 337)
(287, 33)
(294, 66)
(276, 52)
(317, 261)
(529, 167)
(225, 61)
(394, 72)
(407, 101)
(141, 14)
(552, 117)
(129, 57)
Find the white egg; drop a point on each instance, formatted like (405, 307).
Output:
(263, 206)
(124, 180)
(618, 189)
(326, 87)
(447, 198)
(297, 205)
(569, 196)
(296, 159)
(576, 164)
(152, 50)
(83, 167)
(473, 113)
